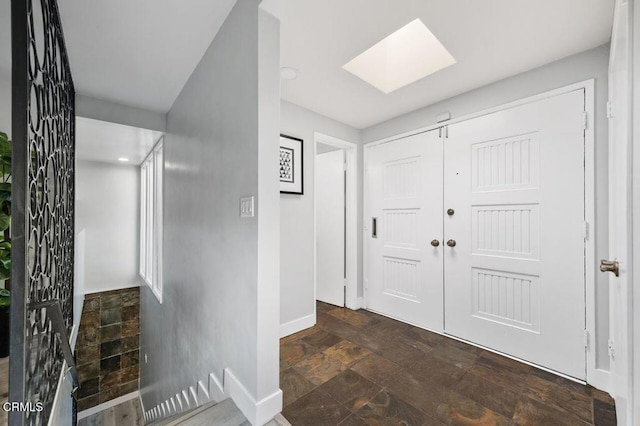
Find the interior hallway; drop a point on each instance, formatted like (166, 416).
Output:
(357, 368)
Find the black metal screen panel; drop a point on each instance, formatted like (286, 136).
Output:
(43, 180)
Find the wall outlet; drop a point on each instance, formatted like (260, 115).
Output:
(246, 206)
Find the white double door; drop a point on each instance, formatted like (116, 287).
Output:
(503, 195)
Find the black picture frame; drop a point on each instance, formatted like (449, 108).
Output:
(291, 165)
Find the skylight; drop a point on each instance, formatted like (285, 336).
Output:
(406, 56)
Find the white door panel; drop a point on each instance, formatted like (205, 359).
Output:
(403, 183)
(514, 281)
(330, 219)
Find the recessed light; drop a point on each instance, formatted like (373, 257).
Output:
(288, 73)
(123, 159)
(408, 55)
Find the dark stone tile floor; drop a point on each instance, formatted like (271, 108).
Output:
(360, 368)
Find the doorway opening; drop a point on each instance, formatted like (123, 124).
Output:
(335, 221)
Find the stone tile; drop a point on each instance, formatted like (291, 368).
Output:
(387, 409)
(299, 335)
(488, 394)
(108, 395)
(401, 353)
(88, 402)
(89, 387)
(88, 371)
(351, 317)
(347, 353)
(447, 341)
(129, 387)
(337, 327)
(111, 364)
(109, 380)
(91, 304)
(88, 337)
(129, 359)
(529, 412)
(376, 368)
(90, 320)
(316, 409)
(419, 391)
(353, 420)
(131, 298)
(319, 368)
(459, 357)
(561, 397)
(430, 369)
(602, 396)
(129, 374)
(604, 414)
(293, 386)
(111, 348)
(351, 389)
(421, 339)
(294, 352)
(110, 316)
(110, 301)
(324, 307)
(131, 313)
(130, 328)
(502, 371)
(561, 381)
(321, 339)
(130, 343)
(87, 354)
(460, 410)
(110, 332)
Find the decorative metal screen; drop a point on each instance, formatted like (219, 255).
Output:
(43, 169)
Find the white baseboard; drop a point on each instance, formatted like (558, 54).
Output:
(216, 390)
(599, 379)
(360, 303)
(119, 400)
(296, 325)
(257, 412)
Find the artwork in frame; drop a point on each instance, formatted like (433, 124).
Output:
(291, 173)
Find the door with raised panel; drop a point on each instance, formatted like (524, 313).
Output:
(403, 211)
(514, 280)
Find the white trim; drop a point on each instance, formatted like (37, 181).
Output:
(361, 303)
(257, 412)
(596, 377)
(545, 95)
(296, 325)
(216, 390)
(634, 266)
(105, 405)
(351, 229)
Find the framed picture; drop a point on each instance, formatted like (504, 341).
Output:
(291, 176)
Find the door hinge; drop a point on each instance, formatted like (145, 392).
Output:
(585, 230)
(609, 110)
(585, 120)
(611, 347)
(586, 338)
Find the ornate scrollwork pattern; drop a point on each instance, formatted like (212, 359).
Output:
(51, 192)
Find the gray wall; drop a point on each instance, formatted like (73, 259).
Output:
(296, 213)
(590, 64)
(5, 102)
(208, 320)
(107, 208)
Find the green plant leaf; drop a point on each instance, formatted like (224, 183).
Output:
(5, 148)
(5, 186)
(4, 136)
(5, 221)
(5, 273)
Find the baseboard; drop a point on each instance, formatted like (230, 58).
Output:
(216, 390)
(257, 412)
(360, 303)
(119, 400)
(296, 325)
(599, 379)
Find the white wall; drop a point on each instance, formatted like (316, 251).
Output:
(296, 215)
(5, 102)
(586, 65)
(107, 208)
(218, 316)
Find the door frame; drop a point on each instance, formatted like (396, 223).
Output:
(597, 377)
(635, 185)
(351, 223)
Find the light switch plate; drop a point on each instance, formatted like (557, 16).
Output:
(246, 206)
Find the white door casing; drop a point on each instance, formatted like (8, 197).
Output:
(620, 214)
(403, 181)
(514, 281)
(330, 227)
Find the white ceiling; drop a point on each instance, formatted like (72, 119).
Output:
(490, 40)
(106, 142)
(138, 52)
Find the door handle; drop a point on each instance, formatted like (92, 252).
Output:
(610, 266)
(435, 243)
(374, 227)
(451, 243)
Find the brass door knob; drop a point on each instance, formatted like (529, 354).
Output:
(435, 243)
(451, 243)
(610, 266)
